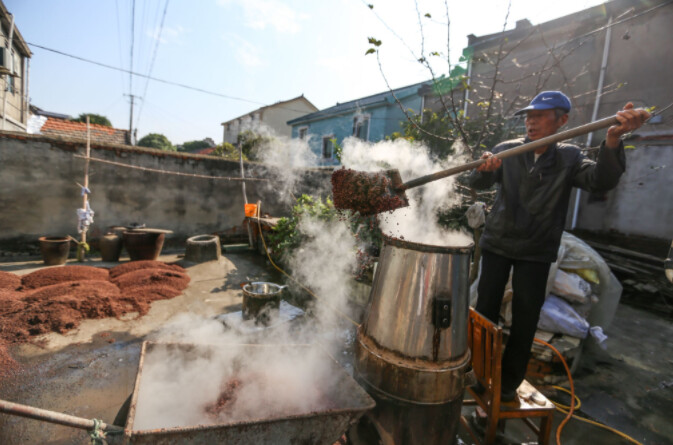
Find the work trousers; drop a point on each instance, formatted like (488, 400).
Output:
(529, 282)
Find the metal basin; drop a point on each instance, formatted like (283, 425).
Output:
(171, 376)
(259, 297)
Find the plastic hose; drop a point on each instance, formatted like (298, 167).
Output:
(266, 250)
(569, 410)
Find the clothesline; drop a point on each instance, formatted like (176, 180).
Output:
(153, 170)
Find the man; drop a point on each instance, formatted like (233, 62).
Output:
(523, 230)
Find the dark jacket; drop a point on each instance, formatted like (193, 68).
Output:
(530, 208)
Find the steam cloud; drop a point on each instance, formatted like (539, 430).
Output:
(418, 222)
(286, 158)
(177, 389)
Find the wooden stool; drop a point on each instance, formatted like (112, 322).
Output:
(485, 341)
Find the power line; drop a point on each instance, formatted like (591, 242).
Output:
(119, 41)
(145, 76)
(133, 34)
(154, 56)
(133, 29)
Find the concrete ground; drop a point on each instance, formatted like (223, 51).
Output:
(90, 371)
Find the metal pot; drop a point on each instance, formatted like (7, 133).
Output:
(411, 349)
(259, 297)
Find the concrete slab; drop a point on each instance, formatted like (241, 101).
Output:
(90, 371)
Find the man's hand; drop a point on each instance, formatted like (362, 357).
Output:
(492, 163)
(630, 119)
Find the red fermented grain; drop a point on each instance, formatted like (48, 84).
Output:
(141, 297)
(9, 280)
(148, 277)
(366, 193)
(225, 400)
(57, 299)
(143, 264)
(63, 274)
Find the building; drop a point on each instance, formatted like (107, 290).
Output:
(14, 69)
(601, 57)
(273, 117)
(370, 118)
(56, 124)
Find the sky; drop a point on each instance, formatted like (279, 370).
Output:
(243, 53)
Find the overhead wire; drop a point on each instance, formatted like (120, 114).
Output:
(133, 28)
(154, 56)
(119, 43)
(167, 82)
(174, 117)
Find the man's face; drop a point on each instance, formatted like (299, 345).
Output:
(542, 123)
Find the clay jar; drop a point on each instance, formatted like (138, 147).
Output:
(143, 245)
(110, 247)
(54, 249)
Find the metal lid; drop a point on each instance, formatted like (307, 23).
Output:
(429, 248)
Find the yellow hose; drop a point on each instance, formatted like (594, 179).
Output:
(568, 410)
(266, 250)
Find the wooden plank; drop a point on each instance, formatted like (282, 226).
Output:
(478, 352)
(627, 252)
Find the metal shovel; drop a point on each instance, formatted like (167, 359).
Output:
(390, 189)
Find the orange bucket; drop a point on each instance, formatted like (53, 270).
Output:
(251, 210)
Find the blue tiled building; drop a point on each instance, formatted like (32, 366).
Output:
(370, 118)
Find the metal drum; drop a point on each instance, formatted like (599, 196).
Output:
(259, 298)
(412, 347)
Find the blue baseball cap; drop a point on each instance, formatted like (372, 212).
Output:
(548, 100)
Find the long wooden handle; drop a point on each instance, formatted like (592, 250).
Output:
(530, 146)
(54, 417)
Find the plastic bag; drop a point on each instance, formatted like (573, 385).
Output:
(558, 316)
(571, 287)
(476, 215)
(588, 274)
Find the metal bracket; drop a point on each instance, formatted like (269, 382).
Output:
(441, 316)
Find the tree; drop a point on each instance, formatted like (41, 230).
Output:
(227, 151)
(94, 119)
(250, 142)
(194, 146)
(156, 140)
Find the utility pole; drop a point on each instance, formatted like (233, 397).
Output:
(131, 142)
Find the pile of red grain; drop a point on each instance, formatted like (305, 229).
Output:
(366, 193)
(57, 299)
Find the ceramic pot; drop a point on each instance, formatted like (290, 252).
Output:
(55, 249)
(110, 247)
(143, 245)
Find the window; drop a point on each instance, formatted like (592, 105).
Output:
(303, 131)
(327, 147)
(11, 86)
(361, 127)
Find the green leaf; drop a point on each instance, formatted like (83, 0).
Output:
(428, 15)
(370, 51)
(374, 41)
(434, 53)
(370, 6)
